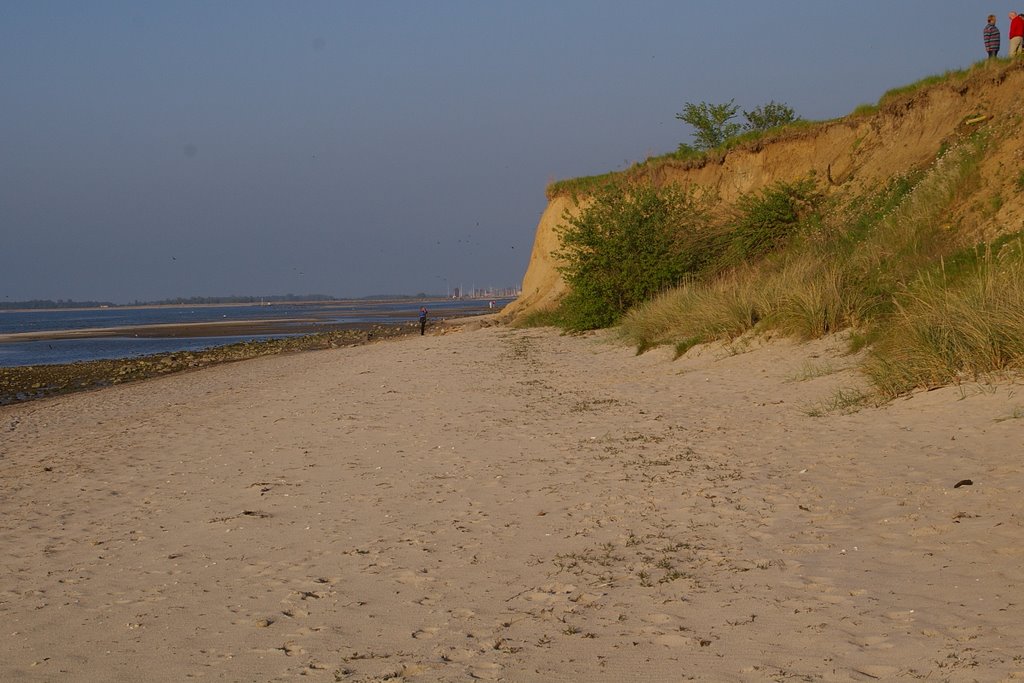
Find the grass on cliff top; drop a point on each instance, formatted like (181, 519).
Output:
(685, 158)
(688, 157)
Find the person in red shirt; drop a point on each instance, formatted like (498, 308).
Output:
(1016, 34)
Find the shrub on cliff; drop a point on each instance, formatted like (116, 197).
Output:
(768, 116)
(885, 265)
(628, 243)
(713, 124)
(765, 221)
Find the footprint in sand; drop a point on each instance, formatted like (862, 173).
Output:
(552, 593)
(675, 640)
(455, 654)
(261, 622)
(426, 633)
(289, 649)
(884, 673)
(875, 642)
(427, 601)
(905, 616)
(485, 671)
(659, 619)
(412, 578)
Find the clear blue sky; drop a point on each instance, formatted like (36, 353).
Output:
(188, 148)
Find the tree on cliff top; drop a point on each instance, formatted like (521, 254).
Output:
(713, 123)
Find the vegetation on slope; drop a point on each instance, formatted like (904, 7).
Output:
(890, 264)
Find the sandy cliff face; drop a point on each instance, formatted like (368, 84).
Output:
(850, 154)
(543, 284)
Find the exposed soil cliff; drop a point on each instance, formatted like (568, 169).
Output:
(851, 154)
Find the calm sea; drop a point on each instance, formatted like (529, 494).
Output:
(54, 351)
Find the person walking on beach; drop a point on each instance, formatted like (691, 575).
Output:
(991, 34)
(423, 320)
(1016, 35)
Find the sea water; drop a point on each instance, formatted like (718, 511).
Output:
(57, 351)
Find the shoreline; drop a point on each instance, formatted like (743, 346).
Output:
(222, 328)
(20, 384)
(310, 323)
(215, 328)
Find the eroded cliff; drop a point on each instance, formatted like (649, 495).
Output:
(851, 154)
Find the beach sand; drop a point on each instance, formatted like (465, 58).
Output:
(513, 505)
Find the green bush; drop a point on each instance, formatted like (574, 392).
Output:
(764, 221)
(768, 116)
(634, 241)
(628, 243)
(713, 124)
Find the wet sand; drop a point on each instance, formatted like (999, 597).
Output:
(226, 328)
(324, 321)
(512, 505)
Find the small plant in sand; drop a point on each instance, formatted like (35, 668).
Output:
(810, 370)
(843, 401)
(1017, 414)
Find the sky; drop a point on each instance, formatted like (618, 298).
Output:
(151, 150)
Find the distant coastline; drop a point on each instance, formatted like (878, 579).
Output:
(31, 306)
(19, 383)
(62, 336)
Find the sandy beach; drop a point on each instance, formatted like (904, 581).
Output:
(513, 505)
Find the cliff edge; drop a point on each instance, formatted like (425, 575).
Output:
(852, 154)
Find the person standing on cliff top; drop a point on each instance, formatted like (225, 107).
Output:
(1016, 35)
(423, 320)
(991, 35)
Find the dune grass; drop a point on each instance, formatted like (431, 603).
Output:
(946, 329)
(890, 269)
